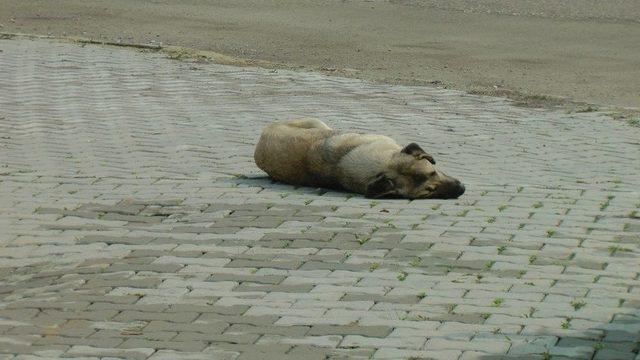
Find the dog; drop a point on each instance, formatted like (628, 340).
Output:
(307, 152)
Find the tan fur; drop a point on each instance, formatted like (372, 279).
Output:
(307, 152)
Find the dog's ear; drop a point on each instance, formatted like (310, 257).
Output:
(415, 150)
(381, 186)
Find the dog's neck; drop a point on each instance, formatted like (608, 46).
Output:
(363, 164)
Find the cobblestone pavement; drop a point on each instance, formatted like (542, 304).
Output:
(136, 225)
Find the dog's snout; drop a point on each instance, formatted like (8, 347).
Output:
(450, 190)
(459, 189)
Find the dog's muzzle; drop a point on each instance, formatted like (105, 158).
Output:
(452, 190)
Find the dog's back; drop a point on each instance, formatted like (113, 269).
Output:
(286, 152)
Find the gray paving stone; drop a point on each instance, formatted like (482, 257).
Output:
(127, 307)
(577, 342)
(18, 314)
(363, 341)
(157, 268)
(236, 338)
(382, 298)
(260, 320)
(266, 310)
(477, 355)
(206, 354)
(593, 334)
(185, 346)
(395, 353)
(251, 355)
(369, 331)
(311, 236)
(260, 264)
(313, 342)
(579, 352)
(350, 353)
(293, 331)
(85, 315)
(19, 349)
(63, 340)
(302, 351)
(72, 305)
(87, 351)
(608, 354)
(255, 351)
(622, 335)
(204, 230)
(355, 305)
(146, 334)
(182, 317)
(203, 327)
(310, 321)
(218, 309)
(318, 265)
(492, 346)
(137, 283)
(275, 288)
(90, 239)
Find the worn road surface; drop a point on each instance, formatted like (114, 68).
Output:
(583, 50)
(134, 223)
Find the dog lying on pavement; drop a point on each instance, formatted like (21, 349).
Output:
(309, 153)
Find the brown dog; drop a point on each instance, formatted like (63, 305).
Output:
(307, 152)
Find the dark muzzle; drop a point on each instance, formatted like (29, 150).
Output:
(452, 190)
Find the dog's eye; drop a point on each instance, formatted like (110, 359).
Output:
(419, 178)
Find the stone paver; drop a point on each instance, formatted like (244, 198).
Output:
(134, 223)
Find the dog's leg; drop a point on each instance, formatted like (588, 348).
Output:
(307, 123)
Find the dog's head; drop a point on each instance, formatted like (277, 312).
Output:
(412, 174)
